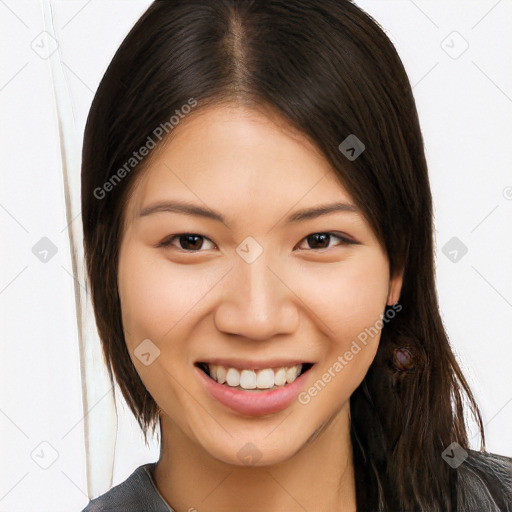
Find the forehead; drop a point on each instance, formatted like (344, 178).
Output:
(244, 161)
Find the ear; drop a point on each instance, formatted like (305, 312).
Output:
(395, 287)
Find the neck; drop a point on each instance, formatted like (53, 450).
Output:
(319, 477)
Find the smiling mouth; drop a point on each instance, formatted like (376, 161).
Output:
(254, 380)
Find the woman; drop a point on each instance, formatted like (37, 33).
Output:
(258, 236)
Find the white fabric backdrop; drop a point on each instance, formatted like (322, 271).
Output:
(457, 54)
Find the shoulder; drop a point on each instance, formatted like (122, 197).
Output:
(485, 482)
(136, 493)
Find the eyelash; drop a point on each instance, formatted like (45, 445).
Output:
(344, 241)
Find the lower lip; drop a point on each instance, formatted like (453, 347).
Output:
(253, 403)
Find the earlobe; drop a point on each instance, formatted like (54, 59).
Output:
(394, 289)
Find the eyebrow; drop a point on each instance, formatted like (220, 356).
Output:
(200, 211)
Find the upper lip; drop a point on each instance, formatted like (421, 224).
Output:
(246, 364)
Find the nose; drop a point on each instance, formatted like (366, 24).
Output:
(256, 303)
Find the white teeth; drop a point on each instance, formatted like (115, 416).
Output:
(292, 373)
(280, 377)
(265, 379)
(220, 372)
(254, 379)
(233, 377)
(247, 379)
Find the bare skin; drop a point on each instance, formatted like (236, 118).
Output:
(299, 299)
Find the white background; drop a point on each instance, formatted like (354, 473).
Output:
(465, 109)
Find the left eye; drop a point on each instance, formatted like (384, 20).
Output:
(192, 242)
(324, 239)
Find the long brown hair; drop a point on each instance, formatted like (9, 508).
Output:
(330, 71)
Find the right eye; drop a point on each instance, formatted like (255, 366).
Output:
(188, 242)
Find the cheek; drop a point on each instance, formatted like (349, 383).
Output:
(363, 299)
(352, 308)
(140, 295)
(350, 298)
(157, 297)
(155, 300)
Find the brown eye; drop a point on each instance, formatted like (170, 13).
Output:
(318, 241)
(188, 242)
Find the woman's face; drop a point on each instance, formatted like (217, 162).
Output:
(258, 288)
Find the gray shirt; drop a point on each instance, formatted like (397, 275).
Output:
(137, 493)
(484, 484)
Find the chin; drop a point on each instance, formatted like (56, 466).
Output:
(256, 449)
